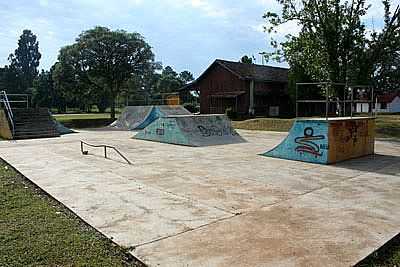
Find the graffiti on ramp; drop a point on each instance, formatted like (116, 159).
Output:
(306, 143)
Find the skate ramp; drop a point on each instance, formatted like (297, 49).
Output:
(172, 110)
(132, 117)
(327, 141)
(139, 117)
(191, 130)
(62, 129)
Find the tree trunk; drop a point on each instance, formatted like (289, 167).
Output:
(113, 108)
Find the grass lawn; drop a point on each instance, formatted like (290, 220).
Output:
(92, 116)
(36, 230)
(387, 126)
(81, 121)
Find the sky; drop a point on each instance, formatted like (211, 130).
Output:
(184, 34)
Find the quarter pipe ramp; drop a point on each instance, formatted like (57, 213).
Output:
(138, 117)
(191, 130)
(327, 141)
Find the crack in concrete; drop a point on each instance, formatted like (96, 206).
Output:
(183, 232)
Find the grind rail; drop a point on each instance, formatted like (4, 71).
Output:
(85, 152)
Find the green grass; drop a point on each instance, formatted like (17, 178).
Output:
(265, 124)
(36, 230)
(92, 116)
(88, 120)
(387, 126)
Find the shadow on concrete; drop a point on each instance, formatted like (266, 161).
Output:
(384, 256)
(110, 157)
(377, 163)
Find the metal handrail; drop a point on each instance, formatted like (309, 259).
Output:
(105, 150)
(4, 99)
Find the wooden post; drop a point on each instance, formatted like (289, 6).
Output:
(251, 106)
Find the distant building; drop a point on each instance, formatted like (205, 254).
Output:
(247, 89)
(386, 103)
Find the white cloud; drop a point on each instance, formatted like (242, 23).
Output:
(209, 8)
(43, 3)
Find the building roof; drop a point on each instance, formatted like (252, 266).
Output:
(388, 97)
(255, 72)
(259, 73)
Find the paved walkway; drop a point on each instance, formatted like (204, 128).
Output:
(221, 205)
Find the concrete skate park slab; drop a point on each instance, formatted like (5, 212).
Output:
(222, 205)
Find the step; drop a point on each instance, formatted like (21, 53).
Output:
(30, 122)
(27, 116)
(35, 136)
(36, 126)
(22, 110)
(36, 131)
(40, 130)
(31, 117)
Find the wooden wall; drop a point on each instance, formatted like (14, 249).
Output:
(5, 131)
(219, 80)
(351, 138)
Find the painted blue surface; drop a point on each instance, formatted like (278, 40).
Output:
(307, 141)
(153, 115)
(164, 130)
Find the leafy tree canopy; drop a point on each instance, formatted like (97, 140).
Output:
(170, 81)
(101, 62)
(25, 60)
(333, 44)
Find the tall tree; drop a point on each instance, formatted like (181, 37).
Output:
(332, 44)
(186, 76)
(43, 90)
(384, 56)
(71, 80)
(9, 80)
(170, 81)
(106, 60)
(25, 60)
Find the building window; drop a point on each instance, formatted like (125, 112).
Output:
(383, 105)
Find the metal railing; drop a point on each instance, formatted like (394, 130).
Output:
(341, 101)
(6, 103)
(19, 99)
(85, 152)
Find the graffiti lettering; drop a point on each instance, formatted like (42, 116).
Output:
(215, 131)
(160, 131)
(307, 144)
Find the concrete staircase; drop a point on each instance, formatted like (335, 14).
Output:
(32, 123)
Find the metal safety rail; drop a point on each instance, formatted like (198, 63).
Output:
(6, 103)
(348, 97)
(85, 152)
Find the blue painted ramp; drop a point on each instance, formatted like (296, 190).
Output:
(139, 117)
(191, 130)
(151, 116)
(307, 141)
